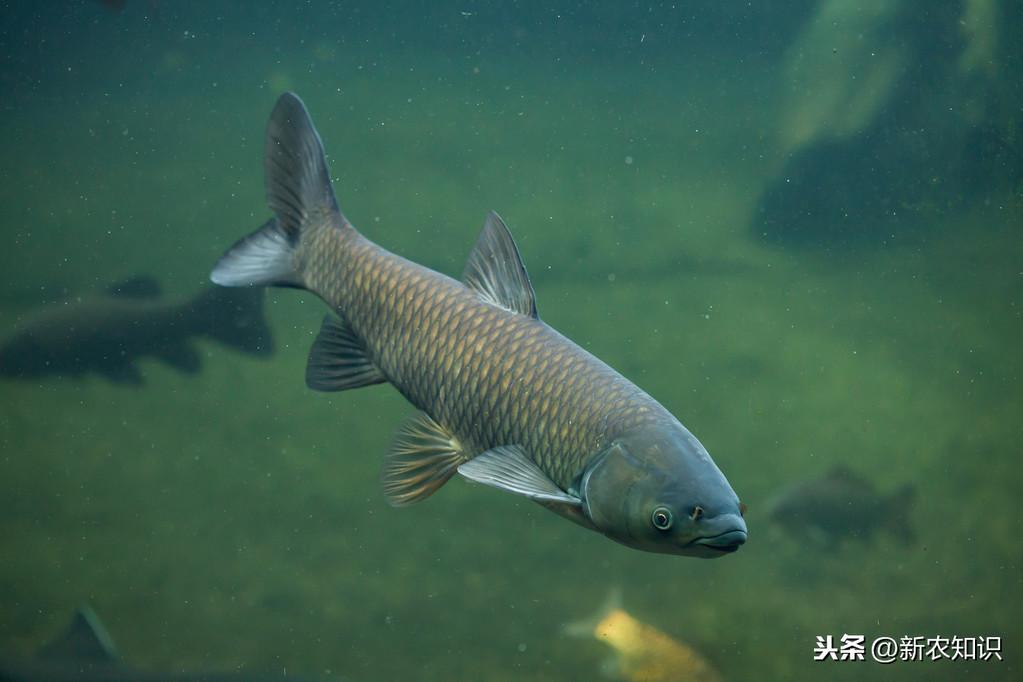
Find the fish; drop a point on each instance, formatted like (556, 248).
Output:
(841, 504)
(642, 652)
(108, 333)
(503, 399)
(85, 652)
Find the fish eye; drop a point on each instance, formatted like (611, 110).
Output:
(661, 518)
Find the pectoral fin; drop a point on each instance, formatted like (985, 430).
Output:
(338, 361)
(509, 468)
(424, 456)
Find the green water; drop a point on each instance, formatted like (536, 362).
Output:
(234, 518)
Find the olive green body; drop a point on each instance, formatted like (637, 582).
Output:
(488, 375)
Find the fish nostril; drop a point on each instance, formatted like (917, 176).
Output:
(697, 513)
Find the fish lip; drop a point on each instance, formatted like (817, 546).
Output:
(726, 542)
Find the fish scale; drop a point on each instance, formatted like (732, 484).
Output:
(507, 378)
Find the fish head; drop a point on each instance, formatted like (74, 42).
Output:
(620, 630)
(657, 489)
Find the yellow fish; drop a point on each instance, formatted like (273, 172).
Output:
(644, 653)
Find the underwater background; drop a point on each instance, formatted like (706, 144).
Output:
(796, 225)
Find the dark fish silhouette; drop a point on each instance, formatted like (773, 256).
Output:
(84, 652)
(108, 333)
(504, 399)
(842, 504)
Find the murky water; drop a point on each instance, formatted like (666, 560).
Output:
(798, 231)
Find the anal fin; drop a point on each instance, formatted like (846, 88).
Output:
(338, 360)
(424, 456)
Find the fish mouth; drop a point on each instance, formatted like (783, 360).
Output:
(725, 543)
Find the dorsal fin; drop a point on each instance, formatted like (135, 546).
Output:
(84, 639)
(495, 270)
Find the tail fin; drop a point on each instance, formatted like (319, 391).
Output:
(265, 258)
(900, 504)
(235, 318)
(299, 193)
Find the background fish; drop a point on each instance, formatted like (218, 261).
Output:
(108, 333)
(84, 652)
(504, 399)
(642, 652)
(842, 504)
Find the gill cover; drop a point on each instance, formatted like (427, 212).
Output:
(607, 491)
